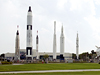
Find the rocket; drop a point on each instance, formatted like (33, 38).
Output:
(17, 48)
(54, 41)
(62, 42)
(77, 46)
(29, 55)
(37, 42)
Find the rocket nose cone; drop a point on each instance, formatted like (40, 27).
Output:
(17, 32)
(29, 9)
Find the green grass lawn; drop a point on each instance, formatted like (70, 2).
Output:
(63, 66)
(61, 73)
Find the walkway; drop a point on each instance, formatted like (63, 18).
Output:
(45, 71)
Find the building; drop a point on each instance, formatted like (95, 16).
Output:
(40, 54)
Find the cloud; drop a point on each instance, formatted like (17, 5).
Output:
(76, 15)
(75, 4)
(94, 21)
(61, 4)
(97, 2)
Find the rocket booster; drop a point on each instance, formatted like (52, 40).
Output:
(54, 41)
(77, 46)
(37, 42)
(62, 42)
(37, 38)
(17, 48)
(29, 33)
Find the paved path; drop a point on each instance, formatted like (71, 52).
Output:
(17, 64)
(45, 71)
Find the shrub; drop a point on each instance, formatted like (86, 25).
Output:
(5, 62)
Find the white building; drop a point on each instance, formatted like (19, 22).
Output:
(40, 54)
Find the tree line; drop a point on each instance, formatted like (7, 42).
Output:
(86, 56)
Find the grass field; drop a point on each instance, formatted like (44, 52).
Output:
(63, 66)
(60, 73)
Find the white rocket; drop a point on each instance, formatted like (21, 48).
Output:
(54, 41)
(77, 46)
(29, 55)
(17, 48)
(37, 42)
(62, 42)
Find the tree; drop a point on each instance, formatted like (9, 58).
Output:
(90, 56)
(84, 56)
(46, 56)
(73, 56)
(93, 54)
(3, 55)
(92, 51)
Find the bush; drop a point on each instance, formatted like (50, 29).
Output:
(5, 62)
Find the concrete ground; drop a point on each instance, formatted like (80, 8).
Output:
(17, 64)
(45, 71)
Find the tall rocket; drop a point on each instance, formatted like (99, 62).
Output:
(29, 55)
(77, 46)
(37, 42)
(17, 48)
(62, 42)
(54, 41)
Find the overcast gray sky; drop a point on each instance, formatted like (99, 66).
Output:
(76, 15)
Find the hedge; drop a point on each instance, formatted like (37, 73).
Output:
(5, 62)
